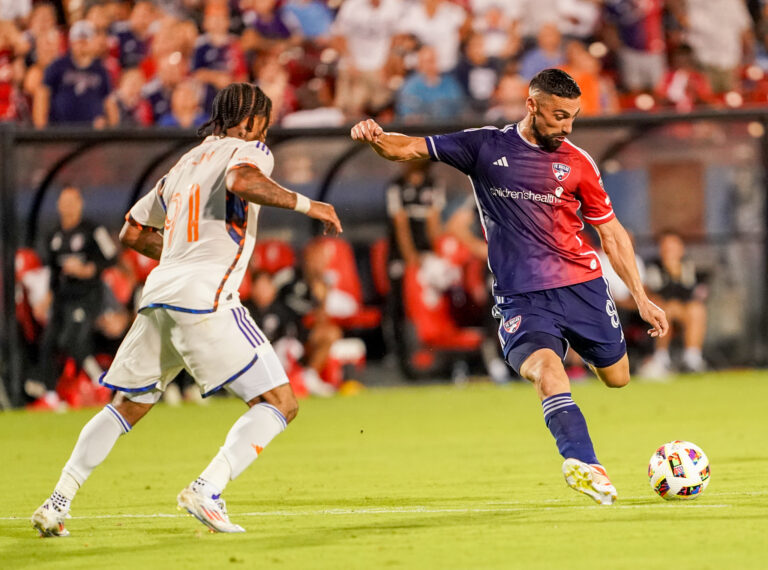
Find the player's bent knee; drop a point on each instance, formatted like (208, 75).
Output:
(617, 382)
(545, 369)
(131, 411)
(616, 375)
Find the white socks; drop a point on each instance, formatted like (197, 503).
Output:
(96, 440)
(245, 441)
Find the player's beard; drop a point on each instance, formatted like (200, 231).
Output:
(546, 142)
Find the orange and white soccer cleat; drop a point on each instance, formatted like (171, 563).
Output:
(590, 479)
(212, 513)
(48, 519)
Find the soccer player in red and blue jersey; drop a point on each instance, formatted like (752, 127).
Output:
(529, 183)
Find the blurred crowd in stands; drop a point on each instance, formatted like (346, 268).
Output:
(328, 62)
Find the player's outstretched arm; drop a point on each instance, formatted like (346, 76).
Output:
(146, 240)
(250, 183)
(392, 146)
(618, 247)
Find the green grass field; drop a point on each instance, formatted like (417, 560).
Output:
(424, 477)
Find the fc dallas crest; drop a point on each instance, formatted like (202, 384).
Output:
(561, 170)
(512, 324)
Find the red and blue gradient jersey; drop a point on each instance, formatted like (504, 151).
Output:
(529, 201)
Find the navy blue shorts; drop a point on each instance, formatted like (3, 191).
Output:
(582, 316)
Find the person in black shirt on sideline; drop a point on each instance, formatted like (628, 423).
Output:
(681, 291)
(77, 252)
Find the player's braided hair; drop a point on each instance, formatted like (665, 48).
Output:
(555, 82)
(234, 103)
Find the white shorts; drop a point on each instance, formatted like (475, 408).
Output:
(215, 348)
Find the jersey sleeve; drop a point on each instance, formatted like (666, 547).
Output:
(149, 211)
(459, 150)
(596, 205)
(255, 154)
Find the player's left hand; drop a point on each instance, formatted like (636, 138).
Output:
(326, 214)
(654, 316)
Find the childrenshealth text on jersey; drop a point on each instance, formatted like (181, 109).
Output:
(209, 233)
(528, 200)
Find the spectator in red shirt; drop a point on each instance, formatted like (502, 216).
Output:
(11, 71)
(684, 87)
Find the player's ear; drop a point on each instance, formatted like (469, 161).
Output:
(531, 105)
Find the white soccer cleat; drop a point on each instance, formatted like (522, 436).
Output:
(48, 520)
(212, 513)
(592, 480)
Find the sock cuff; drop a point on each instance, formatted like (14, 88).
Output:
(556, 403)
(277, 413)
(117, 416)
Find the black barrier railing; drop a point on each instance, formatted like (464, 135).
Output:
(634, 127)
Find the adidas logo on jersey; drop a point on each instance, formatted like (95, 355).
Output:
(502, 161)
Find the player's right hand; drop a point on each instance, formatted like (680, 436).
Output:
(367, 131)
(326, 214)
(654, 316)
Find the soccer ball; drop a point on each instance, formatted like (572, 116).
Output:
(679, 470)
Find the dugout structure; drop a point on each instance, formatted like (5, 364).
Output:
(703, 174)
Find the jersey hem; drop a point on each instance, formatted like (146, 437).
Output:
(177, 308)
(128, 390)
(511, 292)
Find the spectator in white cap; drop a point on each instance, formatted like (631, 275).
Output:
(75, 85)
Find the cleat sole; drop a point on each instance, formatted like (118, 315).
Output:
(578, 476)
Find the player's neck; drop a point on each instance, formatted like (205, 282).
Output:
(525, 128)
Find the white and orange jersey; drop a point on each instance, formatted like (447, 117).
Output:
(208, 232)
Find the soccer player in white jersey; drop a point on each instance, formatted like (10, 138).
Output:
(200, 222)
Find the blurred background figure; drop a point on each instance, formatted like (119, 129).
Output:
(125, 105)
(362, 34)
(415, 201)
(478, 73)
(722, 43)
(266, 29)
(186, 109)
(636, 32)
(598, 93)
(218, 59)
(77, 252)
(172, 70)
(547, 53)
(427, 95)
(684, 87)
(131, 38)
(313, 18)
(496, 21)
(74, 86)
(439, 24)
(508, 100)
(11, 72)
(681, 292)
